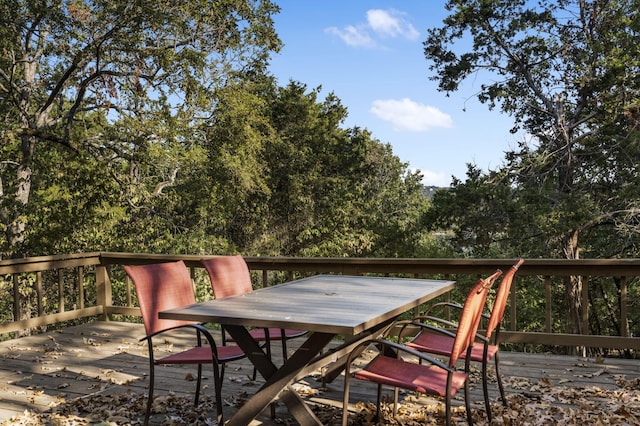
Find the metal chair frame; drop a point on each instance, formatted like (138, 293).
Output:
(165, 286)
(416, 376)
(485, 348)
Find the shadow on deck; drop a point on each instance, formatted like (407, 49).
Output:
(98, 372)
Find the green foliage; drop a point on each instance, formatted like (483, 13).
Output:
(154, 127)
(120, 82)
(336, 192)
(566, 71)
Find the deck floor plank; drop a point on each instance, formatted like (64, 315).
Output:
(102, 358)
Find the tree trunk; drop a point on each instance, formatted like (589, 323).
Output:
(13, 217)
(573, 287)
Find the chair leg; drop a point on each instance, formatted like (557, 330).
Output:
(345, 400)
(273, 410)
(268, 346)
(378, 402)
(467, 403)
(284, 347)
(396, 391)
(447, 408)
(485, 389)
(272, 406)
(147, 415)
(217, 382)
(499, 379)
(198, 384)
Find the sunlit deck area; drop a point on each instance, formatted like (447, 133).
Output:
(98, 372)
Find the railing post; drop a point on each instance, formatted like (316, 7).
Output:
(103, 290)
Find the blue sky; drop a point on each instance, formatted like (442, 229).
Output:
(370, 54)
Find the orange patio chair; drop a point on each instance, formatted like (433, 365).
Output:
(430, 375)
(230, 277)
(167, 286)
(484, 348)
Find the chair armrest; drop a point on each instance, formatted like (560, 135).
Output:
(447, 323)
(443, 304)
(449, 305)
(434, 329)
(482, 338)
(423, 326)
(402, 348)
(199, 329)
(450, 324)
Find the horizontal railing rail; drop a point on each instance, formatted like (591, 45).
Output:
(48, 290)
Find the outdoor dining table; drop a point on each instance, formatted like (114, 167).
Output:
(354, 307)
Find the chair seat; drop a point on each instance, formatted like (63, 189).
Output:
(202, 354)
(441, 345)
(428, 379)
(274, 334)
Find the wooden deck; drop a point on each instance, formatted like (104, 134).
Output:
(105, 360)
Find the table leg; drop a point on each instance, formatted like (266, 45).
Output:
(277, 380)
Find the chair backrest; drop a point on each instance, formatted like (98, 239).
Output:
(499, 305)
(229, 275)
(161, 286)
(470, 316)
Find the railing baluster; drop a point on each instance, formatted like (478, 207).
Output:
(547, 296)
(81, 287)
(39, 293)
(512, 307)
(16, 298)
(624, 321)
(585, 305)
(127, 282)
(60, 290)
(192, 274)
(447, 299)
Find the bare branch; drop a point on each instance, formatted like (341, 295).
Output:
(160, 186)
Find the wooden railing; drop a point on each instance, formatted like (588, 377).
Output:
(47, 290)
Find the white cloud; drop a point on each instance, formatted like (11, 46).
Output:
(408, 115)
(391, 23)
(383, 23)
(431, 178)
(353, 36)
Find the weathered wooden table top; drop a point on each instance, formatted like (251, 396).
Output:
(338, 304)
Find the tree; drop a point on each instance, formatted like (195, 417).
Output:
(335, 191)
(567, 72)
(145, 69)
(234, 179)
